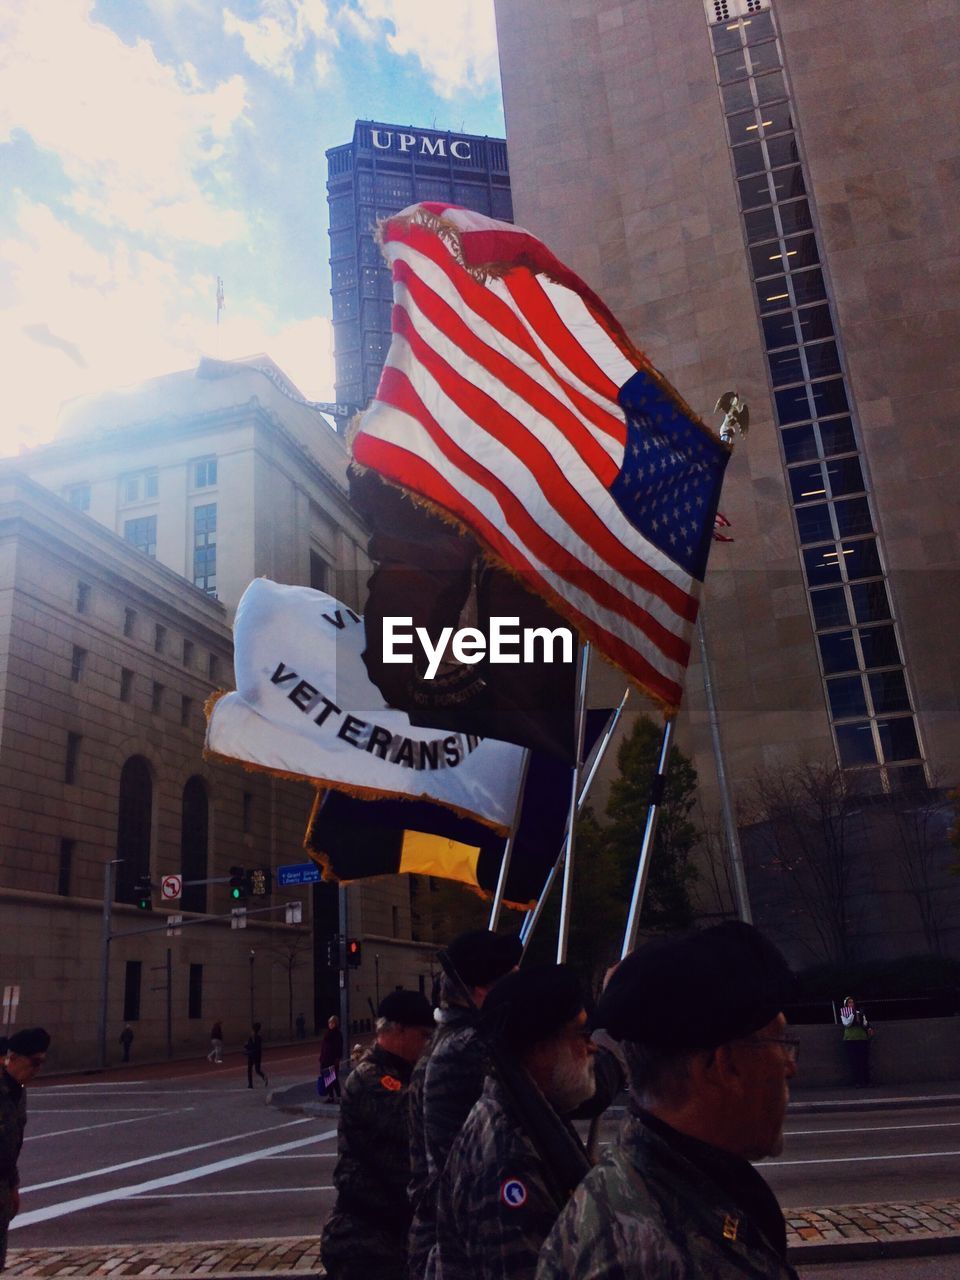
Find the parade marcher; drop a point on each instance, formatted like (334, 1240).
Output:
(365, 1237)
(857, 1034)
(331, 1055)
(708, 1058)
(449, 1080)
(495, 1203)
(23, 1055)
(254, 1051)
(126, 1040)
(216, 1042)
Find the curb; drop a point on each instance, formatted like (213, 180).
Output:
(868, 1250)
(821, 1106)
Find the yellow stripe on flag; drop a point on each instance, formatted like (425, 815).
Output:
(428, 855)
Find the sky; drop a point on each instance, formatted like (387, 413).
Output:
(149, 146)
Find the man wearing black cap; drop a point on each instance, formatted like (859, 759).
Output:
(22, 1055)
(365, 1237)
(449, 1080)
(495, 1205)
(708, 1058)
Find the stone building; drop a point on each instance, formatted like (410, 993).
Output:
(764, 192)
(126, 545)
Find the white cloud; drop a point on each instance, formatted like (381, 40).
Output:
(455, 41)
(283, 29)
(129, 132)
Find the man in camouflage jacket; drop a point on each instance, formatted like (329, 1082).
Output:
(676, 1197)
(449, 1080)
(495, 1204)
(22, 1055)
(365, 1237)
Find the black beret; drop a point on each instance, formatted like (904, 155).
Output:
(696, 991)
(481, 957)
(532, 1005)
(409, 1008)
(29, 1041)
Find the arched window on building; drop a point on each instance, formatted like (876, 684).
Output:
(194, 827)
(134, 824)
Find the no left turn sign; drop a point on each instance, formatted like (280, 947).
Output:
(171, 887)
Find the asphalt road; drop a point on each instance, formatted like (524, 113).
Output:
(193, 1154)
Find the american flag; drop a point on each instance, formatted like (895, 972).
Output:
(513, 400)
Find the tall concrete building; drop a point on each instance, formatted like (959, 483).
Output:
(125, 546)
(764, 192)
(383, 169)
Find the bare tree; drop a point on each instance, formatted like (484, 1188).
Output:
(716, 889)
(804, 815)
(293, 950)
(921, 851)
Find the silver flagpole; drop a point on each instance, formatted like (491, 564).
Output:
(508, 848)
(567, 895)
(726, 801)
(533, 915)
(646, 849)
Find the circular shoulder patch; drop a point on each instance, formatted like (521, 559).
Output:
(391, 1083)
(513, 1193)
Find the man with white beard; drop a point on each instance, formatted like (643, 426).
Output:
(494, 1208)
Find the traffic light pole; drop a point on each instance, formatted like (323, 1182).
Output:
(344, 980)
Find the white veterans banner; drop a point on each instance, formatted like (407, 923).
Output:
(305, 706)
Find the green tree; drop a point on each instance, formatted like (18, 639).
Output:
(667, 903)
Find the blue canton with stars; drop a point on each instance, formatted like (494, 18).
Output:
(669, 485)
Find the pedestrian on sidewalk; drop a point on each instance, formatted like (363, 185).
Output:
(331, 1055)
(22, 1056)
(216, 1042)
(365, 1237)
(254, 1051)
(126, 1040)
(857, 1034)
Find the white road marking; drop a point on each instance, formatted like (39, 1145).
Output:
(913, 1155)
(161, 1155)
(254, 1191)
(171, 1180)
(109, 1124)
(876, 1128)
(308, 1155)
(80, 1111)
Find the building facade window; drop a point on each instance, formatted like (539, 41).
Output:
(131, 990)
(83, 597)
(318, 572)
(156, 698)
(134, 826)
(205, 548)
(65, 867)
(862, 665)
(159, 638)
(140, 486)
(188, 653)
(129, 622)
(126, 684)
(194, 828)
(78, 496)
(142, 534)
(213, 668)
(195, 992)
(204, 473)
(72, 760)
(186, 711)
(78, 661)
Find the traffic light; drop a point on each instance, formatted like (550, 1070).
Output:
(354, 953)
(259, 882)
(143, 893)
(238, 883)
(333, 953)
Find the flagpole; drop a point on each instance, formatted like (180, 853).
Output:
(723, 782)
(508, 847)
(533, 915)
(566, 898)
(646, 848)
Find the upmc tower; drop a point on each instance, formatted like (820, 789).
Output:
(385, 168)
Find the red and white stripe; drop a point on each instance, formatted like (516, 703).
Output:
(498, 403)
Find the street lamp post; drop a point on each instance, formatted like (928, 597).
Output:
(253, 956)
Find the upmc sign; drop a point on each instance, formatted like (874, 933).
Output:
(420, 144)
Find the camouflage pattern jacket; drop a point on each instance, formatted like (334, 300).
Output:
(447, 1082)
(13, 1119)
(366, 1235)
(493, 1208)
(661, 1206)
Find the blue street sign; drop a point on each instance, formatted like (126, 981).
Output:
(300, 873)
